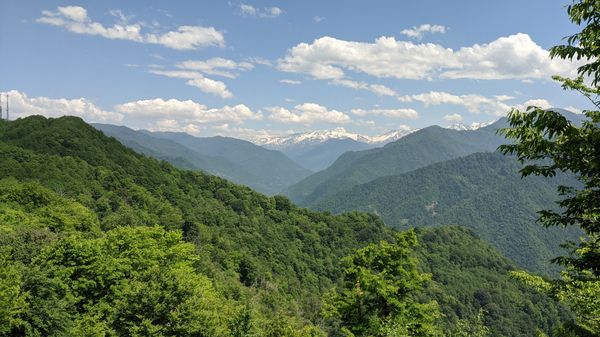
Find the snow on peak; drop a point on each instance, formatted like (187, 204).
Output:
(472, 126)
(321, 136)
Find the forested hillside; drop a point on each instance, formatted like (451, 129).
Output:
(99, 240)
(482, 191)
(266, 171)
(421, 148)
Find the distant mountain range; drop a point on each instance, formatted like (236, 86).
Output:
(418, 149)
(316, 150)
(267, 171)
(326, 135)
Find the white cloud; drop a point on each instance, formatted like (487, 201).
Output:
(496, 105)
(76, 20)
(540, 103)
(286, 81)
(216, 66)
(307, 113)
(574, 110)
(511, 57)
(405, 113)
(472, 102)
(267, 12)
(260, 60)
(172, 125)
(194, 70)
(226, 129)
(210, 86)
(455, 118)
(188, 38)
(318, 19)
(418, 32)
(22, 105)
(197, 80)
(378, 89)
(187, 111)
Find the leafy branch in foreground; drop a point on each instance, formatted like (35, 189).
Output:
(547, 142)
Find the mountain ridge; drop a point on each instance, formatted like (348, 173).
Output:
(268, 171)
(482, 191)
(426, 146)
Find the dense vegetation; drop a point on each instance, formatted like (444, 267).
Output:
(266, 171)
(483, 191)
(99, 240)
(469, 276)
(424, 147)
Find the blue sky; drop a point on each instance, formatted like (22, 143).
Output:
(264, 67)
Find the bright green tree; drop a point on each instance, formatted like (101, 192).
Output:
(13, 300)
(471, 327)
(378, 294)
(133, 281)
(547, 142)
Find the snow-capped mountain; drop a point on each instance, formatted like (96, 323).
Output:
(321, 136)
(466, 127)
(391, 136)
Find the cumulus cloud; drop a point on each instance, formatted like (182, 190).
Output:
(540, 103)
(76, 20)
(394, 113)
(187, 111)
(267, 12)
(455, 118)
(173, 125)
(307, 113)
(22, 105)
(418, 32)
(511, 57)
(574, 110)
(196, 79)
(472, 102)
(210, 86)
(496, 105)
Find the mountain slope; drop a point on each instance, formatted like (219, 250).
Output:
(237, 160)
(421, 148)
(81, 214)
(483, 191)
(170, 151)
(469, 275)
(262, 241)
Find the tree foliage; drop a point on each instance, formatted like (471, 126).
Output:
(547, 143)
(378, 294)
